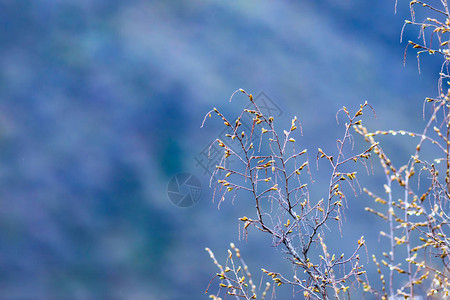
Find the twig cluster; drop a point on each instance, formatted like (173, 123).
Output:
(273, 173)
(235, 278)
(415, 203)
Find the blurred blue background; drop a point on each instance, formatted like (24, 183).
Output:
(101, 103)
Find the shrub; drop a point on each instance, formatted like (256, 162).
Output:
(415, 206)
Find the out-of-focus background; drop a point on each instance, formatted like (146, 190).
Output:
(101, 104)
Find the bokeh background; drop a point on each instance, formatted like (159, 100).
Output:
(101, 103)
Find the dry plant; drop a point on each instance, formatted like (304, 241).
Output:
(238, 280)
(415, 206)
(274, 173)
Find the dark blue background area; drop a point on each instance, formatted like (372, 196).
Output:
(101, 103)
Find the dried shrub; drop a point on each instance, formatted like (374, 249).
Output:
(274, 172)
(414, 205)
